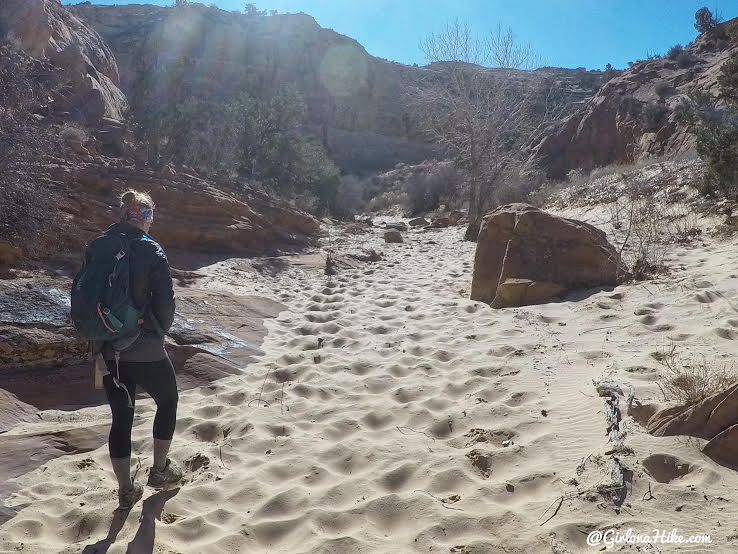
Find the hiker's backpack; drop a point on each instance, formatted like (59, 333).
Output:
(102, 307)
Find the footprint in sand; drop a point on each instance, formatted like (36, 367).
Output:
(728, 334)
(518, 398)
(487, 436)
(666, 468)
(322, 317)
(595, 355)
(706, 297)
(397, 478)
(377, 419)
(648, 319)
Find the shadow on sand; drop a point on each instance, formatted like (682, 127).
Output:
(143, 542)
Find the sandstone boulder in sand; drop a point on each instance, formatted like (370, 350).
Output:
(399, 226)
(392, 236)
(527, 256)
(366, 255)
(419, 222)
(440, 222)
(455, 217)
(715, 418)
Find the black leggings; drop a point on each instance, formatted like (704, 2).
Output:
(158, 380)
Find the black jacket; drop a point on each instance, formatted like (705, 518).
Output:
(151, 283)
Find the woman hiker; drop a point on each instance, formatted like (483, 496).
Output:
(145, 362)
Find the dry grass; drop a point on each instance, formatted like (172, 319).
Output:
(646, 223)
(689, 380)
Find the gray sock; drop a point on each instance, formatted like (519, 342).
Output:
(122, 470)
(161, 449)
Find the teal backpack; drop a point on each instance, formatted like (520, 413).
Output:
(102, 308)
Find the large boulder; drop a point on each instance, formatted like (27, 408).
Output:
(440, 222)
(714, 418)
(419, 222)
(455, 217)
(392, 236)
(527, 256)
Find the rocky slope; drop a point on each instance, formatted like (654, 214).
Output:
(354, 100)
(352, 97)
(633, 116)
(76, 81)
(46, 30)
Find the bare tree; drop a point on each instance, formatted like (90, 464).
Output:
(505, 51)
(475, 102)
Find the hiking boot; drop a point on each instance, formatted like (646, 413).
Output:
(170, 475)
(128, 497)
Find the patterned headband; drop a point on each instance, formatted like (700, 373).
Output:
(136, 213)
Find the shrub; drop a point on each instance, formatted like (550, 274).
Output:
(684, 59)
(631, 106)
(262, 140)
(653, 115)
(728, 78)
(516, 186)
(547, 193)
(28, 203)
(72, 134)
(306, 201)
(663, 88)
(717, 145)
(640, 221)
(704, 21)
(349, 196)
(252, 10)
(387, 200)
(674, 52)
(716, 133)
(426, 189)
(689, 381)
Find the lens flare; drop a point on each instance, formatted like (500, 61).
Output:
(343, 70)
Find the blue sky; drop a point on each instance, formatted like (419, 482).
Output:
(566, 33)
